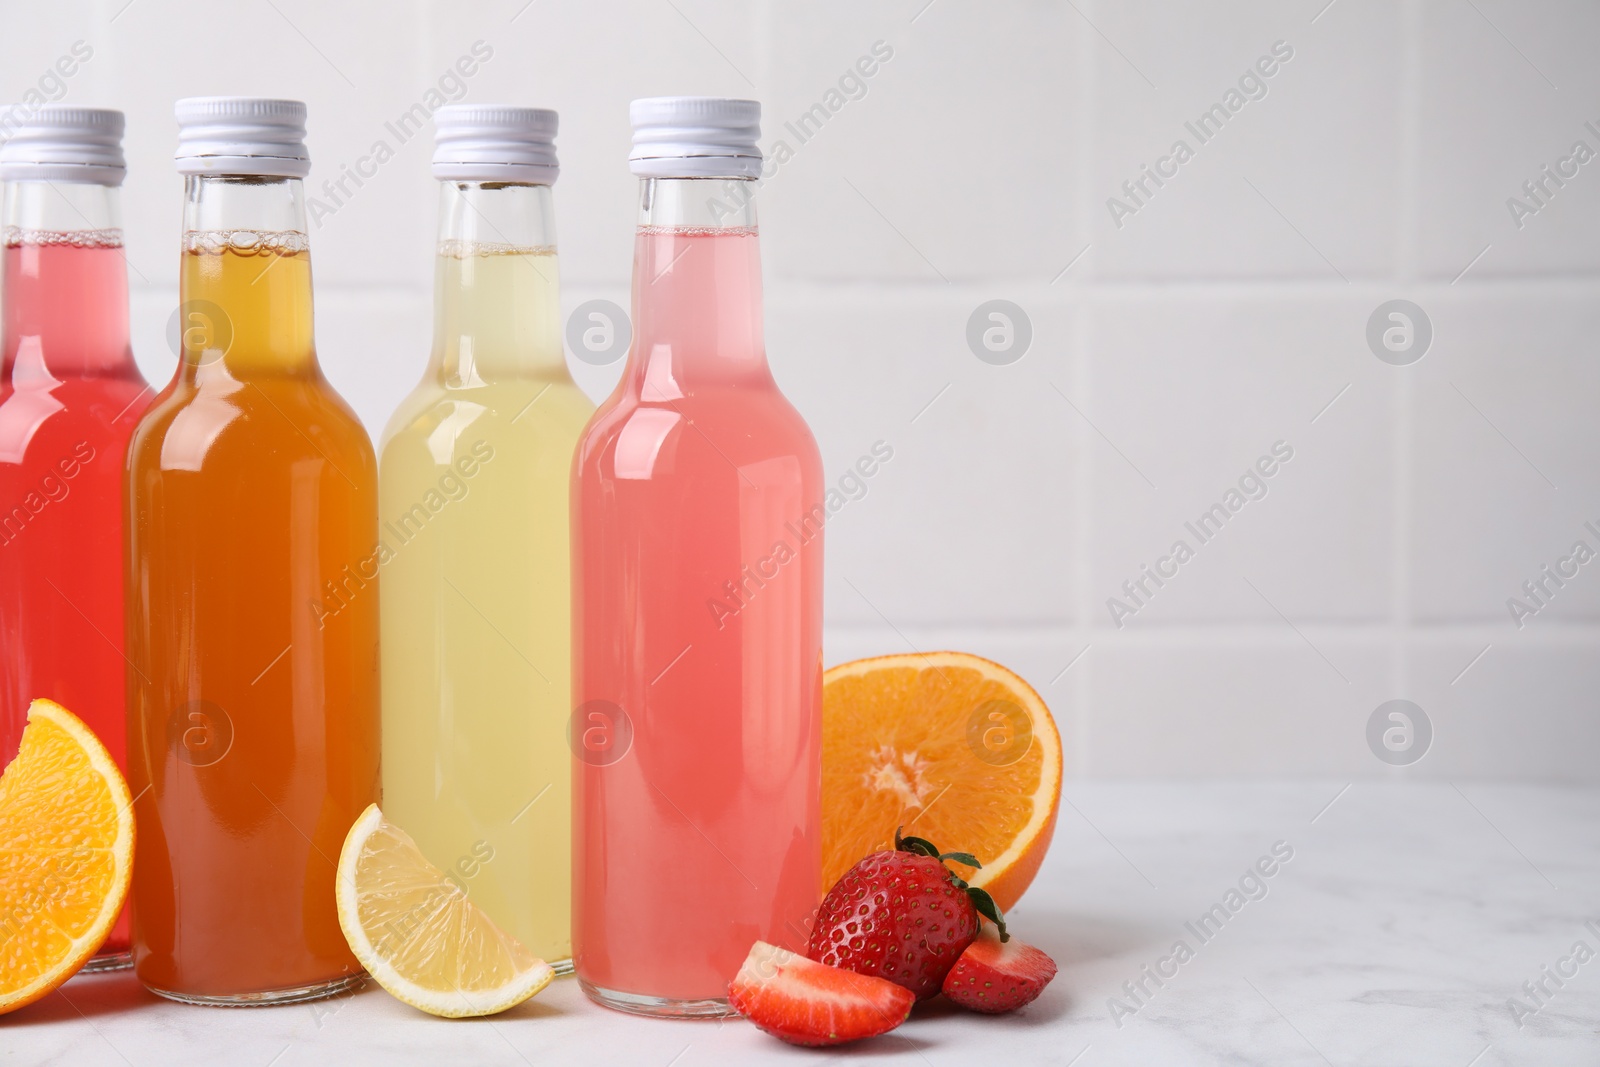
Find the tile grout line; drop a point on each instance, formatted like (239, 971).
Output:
(1403, 398)
(1471, 635)
(1410, 103)
(1083, 497)
(762, 29)
(1082, 377)
(1088, 74)
(790, 291)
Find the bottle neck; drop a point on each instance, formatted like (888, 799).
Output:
(64, 290)
(696, 288)
(496, 293)
(245, 282)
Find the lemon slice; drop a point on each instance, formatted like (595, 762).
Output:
(418, 935)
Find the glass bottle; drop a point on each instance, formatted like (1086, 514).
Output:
(473, 500)
(697, 602)
(252, 615)
(70, 396)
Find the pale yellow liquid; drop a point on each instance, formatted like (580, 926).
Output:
(475, 596)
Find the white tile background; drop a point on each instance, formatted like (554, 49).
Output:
(1168, 353)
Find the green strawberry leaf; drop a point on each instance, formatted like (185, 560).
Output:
(986, 907)
(915, 844)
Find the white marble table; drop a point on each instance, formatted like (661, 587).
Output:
(1406, 920)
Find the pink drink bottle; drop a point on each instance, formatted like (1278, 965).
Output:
(70, 396)
(697, 602)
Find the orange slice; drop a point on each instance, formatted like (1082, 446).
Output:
(951, 747)
(66, 853)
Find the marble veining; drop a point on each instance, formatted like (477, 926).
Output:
(1408, 921)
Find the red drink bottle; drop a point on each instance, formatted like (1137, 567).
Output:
(70, 395)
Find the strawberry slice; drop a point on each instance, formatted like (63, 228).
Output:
(994, 976)
(808, 1003)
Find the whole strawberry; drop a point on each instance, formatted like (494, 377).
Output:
(902, 915)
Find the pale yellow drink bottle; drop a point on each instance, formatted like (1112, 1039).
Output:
(475, 603)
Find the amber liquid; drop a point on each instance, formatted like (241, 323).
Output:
(253, 707)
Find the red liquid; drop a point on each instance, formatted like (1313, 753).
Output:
(697, 609)
(70, 395)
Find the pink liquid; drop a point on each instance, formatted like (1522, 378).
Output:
(703, 837)
(70, 395)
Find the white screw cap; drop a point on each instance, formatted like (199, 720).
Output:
(65, 144)
(495, 143)
(242, 135)
(695, 137)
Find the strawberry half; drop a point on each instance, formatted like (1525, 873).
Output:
(901, 915)
(993, 976)
(808, 1003)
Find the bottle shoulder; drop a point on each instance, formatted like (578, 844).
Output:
(256, 422)
(737, 406)
(742, 428)
(528, 413)
(97, 411)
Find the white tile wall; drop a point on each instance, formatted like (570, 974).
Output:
(1290, 186)
(957, 165)
(1499, 96)
(1264, 703)
(1168, 353)
(1508, 399)
(1197, 388)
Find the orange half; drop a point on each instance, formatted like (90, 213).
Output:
(950, 746)
(66, 853)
